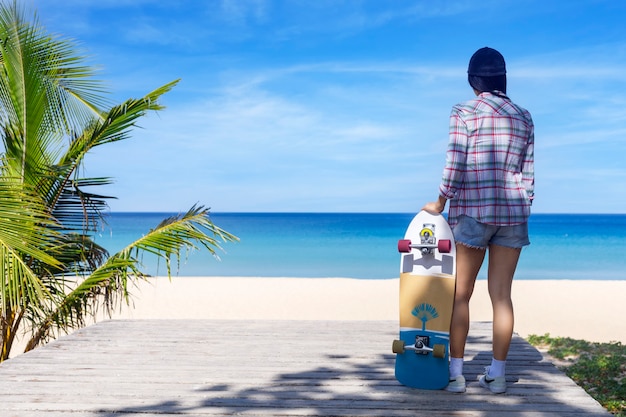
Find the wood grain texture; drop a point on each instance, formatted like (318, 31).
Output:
(265, 368)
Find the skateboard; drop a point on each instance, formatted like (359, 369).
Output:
(427, 280)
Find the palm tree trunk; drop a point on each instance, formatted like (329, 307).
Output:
(36, 337)
(10, 324)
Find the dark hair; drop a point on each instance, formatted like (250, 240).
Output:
(488, 84)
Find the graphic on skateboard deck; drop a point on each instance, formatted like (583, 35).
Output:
(427, 279)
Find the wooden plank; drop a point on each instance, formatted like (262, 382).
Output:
(265, 368)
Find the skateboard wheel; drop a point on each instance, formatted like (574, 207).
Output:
(398, 346)
(439, 351)
(444, 246)
(404, 246)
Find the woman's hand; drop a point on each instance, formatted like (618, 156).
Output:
(436, 207)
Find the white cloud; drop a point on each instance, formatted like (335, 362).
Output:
(331, 105)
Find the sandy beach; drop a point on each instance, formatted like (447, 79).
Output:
(590, 310)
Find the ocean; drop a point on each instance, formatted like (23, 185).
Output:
(364, 245)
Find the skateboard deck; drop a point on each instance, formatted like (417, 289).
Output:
(427, 280)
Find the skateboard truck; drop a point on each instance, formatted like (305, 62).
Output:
(428, 242)
(443, 246)
(420, 347)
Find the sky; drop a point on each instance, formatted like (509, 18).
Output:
(343, 105)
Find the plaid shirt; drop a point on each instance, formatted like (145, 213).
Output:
(489, 172)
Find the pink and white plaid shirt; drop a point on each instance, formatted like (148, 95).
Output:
(489, 172)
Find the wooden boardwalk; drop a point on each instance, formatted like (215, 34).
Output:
(264, 368)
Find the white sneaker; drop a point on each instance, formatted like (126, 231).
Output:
(456, 384)
(496, 385)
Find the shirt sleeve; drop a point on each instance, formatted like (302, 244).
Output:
(456, 156)
(528, 164)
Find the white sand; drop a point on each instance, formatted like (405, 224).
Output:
(590, 310)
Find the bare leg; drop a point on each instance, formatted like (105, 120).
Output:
(502, 264)
(468, 262)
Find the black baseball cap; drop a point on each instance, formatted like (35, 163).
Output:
(487, 62)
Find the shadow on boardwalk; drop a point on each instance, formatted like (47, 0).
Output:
(265, 368)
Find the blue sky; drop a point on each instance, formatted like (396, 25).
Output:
(343, 105)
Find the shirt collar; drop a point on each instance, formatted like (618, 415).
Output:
(496, 93)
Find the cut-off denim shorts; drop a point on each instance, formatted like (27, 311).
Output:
(474, 234)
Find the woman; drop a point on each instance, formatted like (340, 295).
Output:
(489, 180)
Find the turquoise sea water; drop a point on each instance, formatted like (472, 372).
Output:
(564, 246)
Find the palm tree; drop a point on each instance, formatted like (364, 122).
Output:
(52, 113)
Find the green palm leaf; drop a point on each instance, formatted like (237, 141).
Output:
(109, 284)
(27, 239)
(63, 189)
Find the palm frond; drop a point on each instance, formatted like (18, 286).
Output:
(105, 287)
(115, 124)
(75, 209)
(20, 287)
(64, 191)
(25, 225)
(46, 91)
(51, 68)
(185, 231)
(78, 255)
(108, 285)
(27, 239)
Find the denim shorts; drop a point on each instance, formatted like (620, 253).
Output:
(474, 234)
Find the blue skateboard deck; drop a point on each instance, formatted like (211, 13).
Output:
(427, 280)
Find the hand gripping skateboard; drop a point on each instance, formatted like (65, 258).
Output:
(427, 279)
